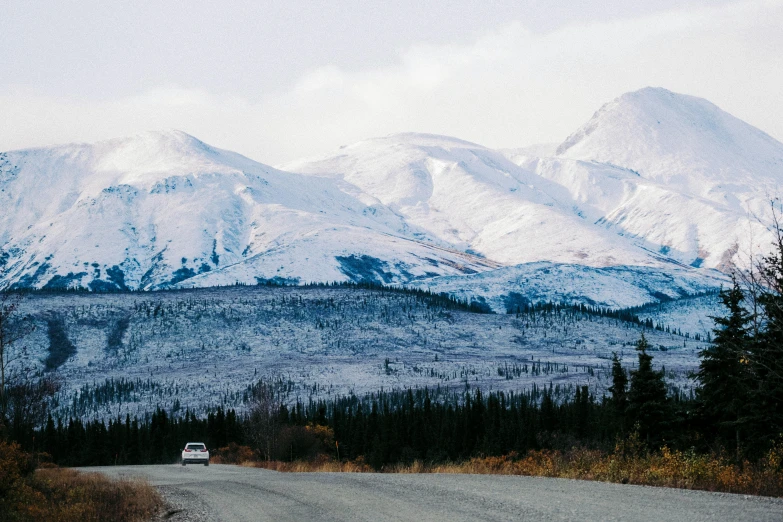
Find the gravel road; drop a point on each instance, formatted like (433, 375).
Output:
(228, 493)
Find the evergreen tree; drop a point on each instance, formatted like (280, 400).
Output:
(647, 402)
(764, 415)
(724, 370)
(619, 391)
(583, 403)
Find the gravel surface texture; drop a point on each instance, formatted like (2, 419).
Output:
(228, 493)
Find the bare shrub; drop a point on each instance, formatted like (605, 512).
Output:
(233, 454)
(304, 442)
(263, 422)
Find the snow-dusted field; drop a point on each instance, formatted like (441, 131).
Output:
(200, 348)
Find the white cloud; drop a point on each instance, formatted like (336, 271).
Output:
(509, 87)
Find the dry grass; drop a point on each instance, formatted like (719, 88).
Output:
(245, 456)
(67, 495)
(318, 465)
(71, 495)
(628, 464)
(666, 468)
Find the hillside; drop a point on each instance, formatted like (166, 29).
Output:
(129, 353)
(616, 287)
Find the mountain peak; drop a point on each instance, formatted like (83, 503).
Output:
(157, 141)
(640, 111)
(657, 92)
(164, 135)
(413, 140)
(677, 139)
(151, 138)
(163, 152)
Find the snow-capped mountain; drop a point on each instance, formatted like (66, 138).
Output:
(638, 205)
(158, 209)
(673, 173)
(475, 199)
(683, 142)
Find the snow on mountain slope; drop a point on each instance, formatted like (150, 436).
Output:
(539, 150)
(550, 218)
(687, 228)
(673, 173)
(156, 209)
(684, 142)
(654, 182)
(474, 199)
(511, 288)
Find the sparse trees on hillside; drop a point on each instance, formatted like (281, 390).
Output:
(12, 330)
(24, 395)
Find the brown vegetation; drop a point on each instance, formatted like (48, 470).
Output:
(51, 493)
(289, 442)
(664, 468)
(628, 464)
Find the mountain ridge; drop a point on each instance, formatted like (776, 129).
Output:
(159, 189)
(166, 210)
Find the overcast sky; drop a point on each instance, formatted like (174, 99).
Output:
(283, 80)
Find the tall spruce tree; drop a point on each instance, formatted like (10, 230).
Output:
(648, 405)
(724, 372)
(765, 412)
(619, 391)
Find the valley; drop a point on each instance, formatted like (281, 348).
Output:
(391, 261)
